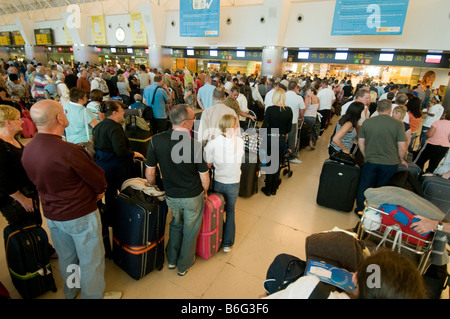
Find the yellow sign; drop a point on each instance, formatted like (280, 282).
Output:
(138, 33)
(43, 36)
(5, 38)
(43, 39)
(98, 30)
(18, 39)
(68, 37)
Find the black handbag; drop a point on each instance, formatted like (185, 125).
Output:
(342, 157)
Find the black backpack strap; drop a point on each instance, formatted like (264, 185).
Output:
(322, 291)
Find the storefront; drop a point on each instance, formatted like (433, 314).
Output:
(123, 55)
(207, 59)
(60, 54)
(398, 67)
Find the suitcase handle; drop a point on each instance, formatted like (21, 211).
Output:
(138, 250)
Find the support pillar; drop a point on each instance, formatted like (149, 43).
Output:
(272, 60)
(446, 98)
(36, 52)
(155, 56)
(84, 53)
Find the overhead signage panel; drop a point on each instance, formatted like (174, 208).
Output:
(43, 36)
(199, 18)
(369, 17)
(371, 58)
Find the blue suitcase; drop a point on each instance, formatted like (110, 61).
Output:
(138, 232)
(437, 190)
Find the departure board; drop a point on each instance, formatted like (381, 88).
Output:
(5, 38)
(18, 39)
(43, 36)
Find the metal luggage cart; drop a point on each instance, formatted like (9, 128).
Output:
(392, 236)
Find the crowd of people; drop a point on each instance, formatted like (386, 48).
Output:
(86, 105)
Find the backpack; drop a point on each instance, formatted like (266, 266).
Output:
(102, 86)
(284, 270)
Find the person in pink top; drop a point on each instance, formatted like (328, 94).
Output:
(437, 144)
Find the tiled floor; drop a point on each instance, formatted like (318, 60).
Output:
(266, 226)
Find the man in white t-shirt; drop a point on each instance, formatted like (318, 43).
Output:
(363, 96)
(296, 103)
(269, 95)
(327, 98)
(434, 113)
(228, 84)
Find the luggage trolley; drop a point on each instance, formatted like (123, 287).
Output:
(374, 230)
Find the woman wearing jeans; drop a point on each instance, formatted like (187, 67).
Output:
(225, 153)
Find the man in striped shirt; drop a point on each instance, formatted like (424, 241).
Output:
(40, 82)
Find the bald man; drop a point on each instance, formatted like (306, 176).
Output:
(69, 184)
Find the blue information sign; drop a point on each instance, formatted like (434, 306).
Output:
(199, 18)
(369, 17)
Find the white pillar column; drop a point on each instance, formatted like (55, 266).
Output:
(272, 59)
(84, 53)
(36, 52)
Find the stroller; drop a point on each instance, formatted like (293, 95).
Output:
(285, 164)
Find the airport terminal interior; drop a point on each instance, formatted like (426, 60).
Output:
(266, 39)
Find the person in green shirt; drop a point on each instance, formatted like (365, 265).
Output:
(383, 143)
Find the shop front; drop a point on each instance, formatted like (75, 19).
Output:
(220, 60)
(123, 56)
(397, 67)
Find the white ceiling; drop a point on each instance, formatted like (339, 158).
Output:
(22, 6)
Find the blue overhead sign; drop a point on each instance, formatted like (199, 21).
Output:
(369, 17)
(199, 18)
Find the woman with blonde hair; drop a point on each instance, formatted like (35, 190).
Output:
(278, 122)
(225, 154)
(19, 201)
(189, 95)
(124, 89)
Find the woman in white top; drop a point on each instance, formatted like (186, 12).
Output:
(312, 104)
(62, 89)
(124, 89)
(225, 153)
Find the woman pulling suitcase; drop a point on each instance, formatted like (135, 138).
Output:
(225, 153)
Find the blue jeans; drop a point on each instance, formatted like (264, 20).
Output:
(79, 242)
(230, 193)
(373, 175)
(187, 214)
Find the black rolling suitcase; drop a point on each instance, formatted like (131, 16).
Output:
(338, 185)
(413, 168)
(28, 259)
(138, 228)
(139, 133)
(437, 190)
(250, 168)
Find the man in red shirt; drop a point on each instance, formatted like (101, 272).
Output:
(69, 184)
(83, 83)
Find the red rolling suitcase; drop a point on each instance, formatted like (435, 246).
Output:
(209, 239)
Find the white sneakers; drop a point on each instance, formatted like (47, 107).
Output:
(295, 161)
(112, 295)
(227, 249)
